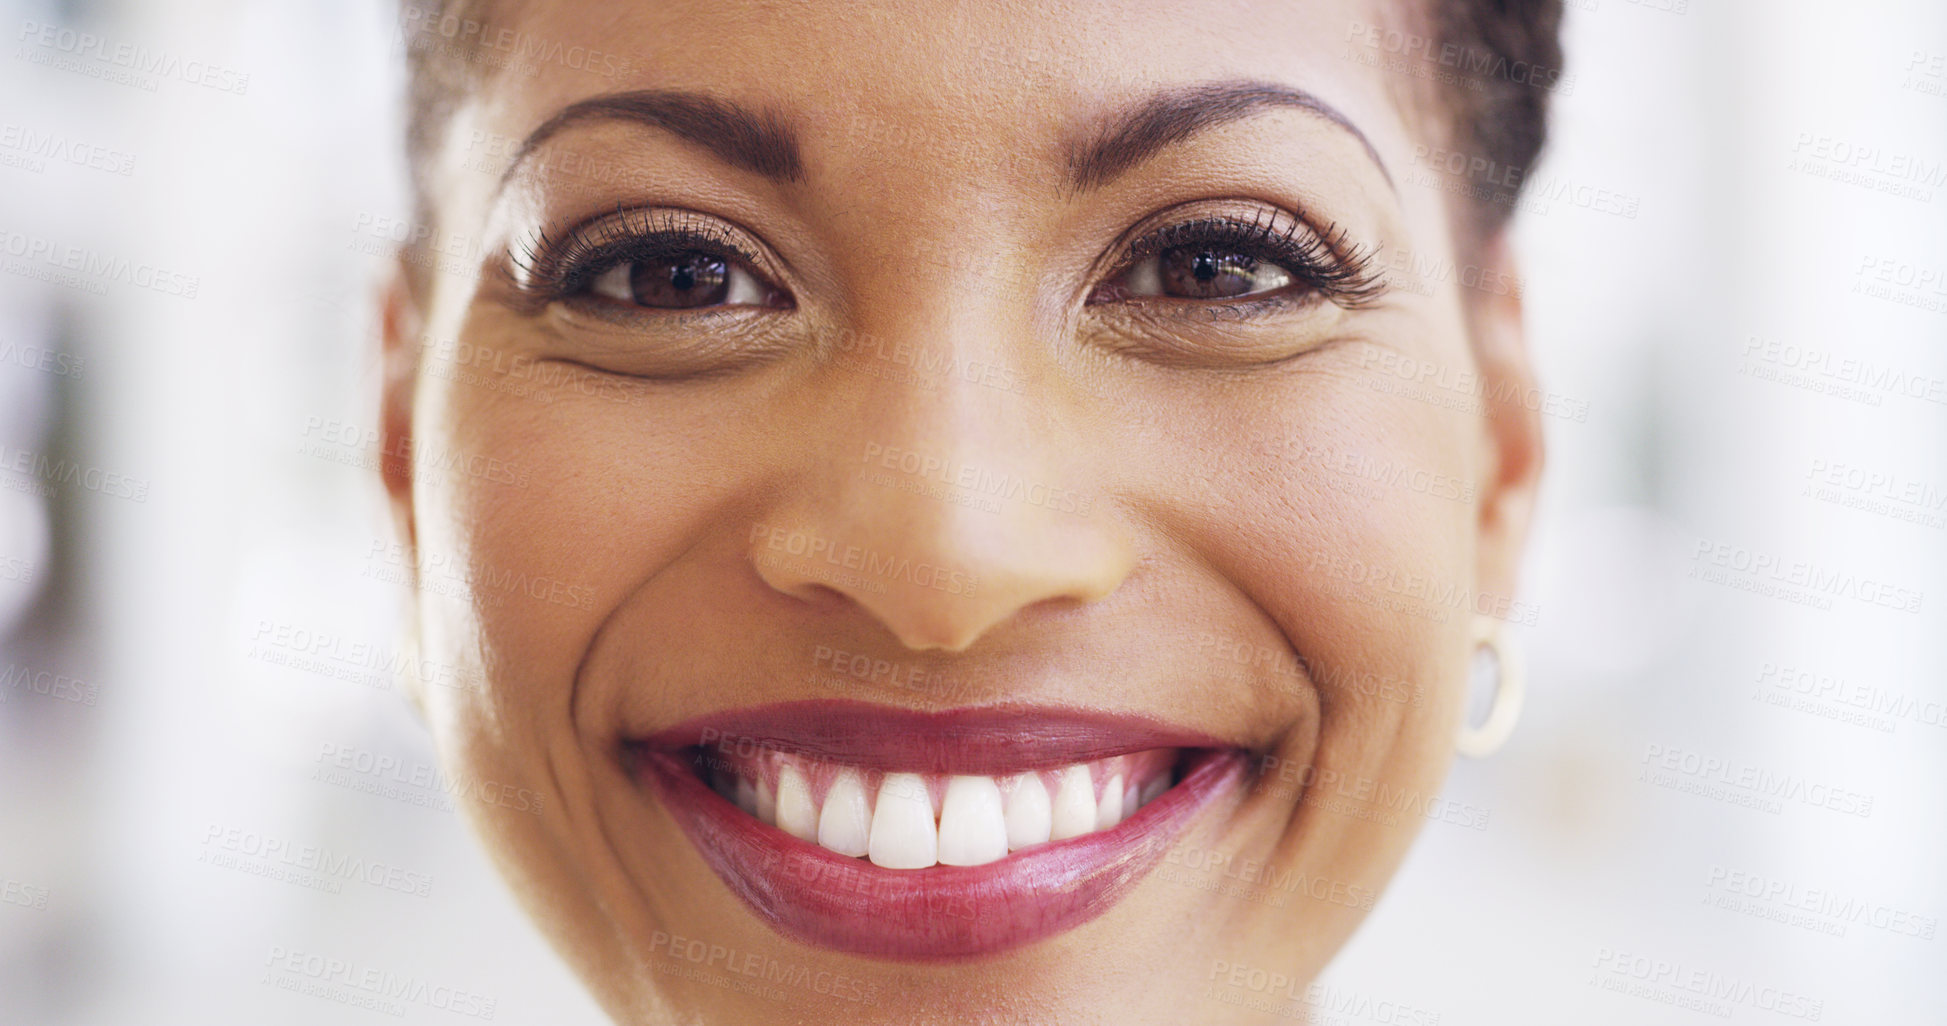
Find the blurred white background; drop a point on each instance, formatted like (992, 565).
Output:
(193, 627)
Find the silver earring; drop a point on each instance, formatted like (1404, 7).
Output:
(1482, 741)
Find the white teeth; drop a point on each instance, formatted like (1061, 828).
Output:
(1074, 809)
(980, 819)
(845, 823)
(1109, 812)
(1029, 820)
(766, 804)
(903, 835)
(797, 814)
(973, 829)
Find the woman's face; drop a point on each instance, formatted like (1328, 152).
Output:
(889, 408)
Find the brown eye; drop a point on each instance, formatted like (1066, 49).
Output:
(1193, 272)
(682, 282)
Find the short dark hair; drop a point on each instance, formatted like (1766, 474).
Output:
(1491, 64)
(1507, 63)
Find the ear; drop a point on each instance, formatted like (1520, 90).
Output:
(401, 325)
(1511, 457)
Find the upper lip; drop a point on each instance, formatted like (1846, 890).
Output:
(991, 740)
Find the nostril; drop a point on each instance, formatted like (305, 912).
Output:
(823, 596)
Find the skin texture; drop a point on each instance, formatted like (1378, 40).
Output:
(1230, 574)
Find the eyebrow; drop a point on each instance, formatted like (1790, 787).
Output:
(763, 143)
(756, 141)
(1171, 116)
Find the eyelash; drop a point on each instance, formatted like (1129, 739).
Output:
(1326, 265)
(547, 268)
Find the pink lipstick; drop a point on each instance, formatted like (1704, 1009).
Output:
(931, 836)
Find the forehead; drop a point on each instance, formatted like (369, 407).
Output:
(983, 81)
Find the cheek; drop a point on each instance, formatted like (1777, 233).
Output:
(543, 500)
(1345, 513)
(1329, 491)
(1328, 514)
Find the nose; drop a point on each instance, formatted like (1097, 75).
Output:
(939, 501)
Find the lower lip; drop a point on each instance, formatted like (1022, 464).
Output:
(943, 913)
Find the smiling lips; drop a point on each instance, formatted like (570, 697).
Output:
(930, 836)
(916, 820)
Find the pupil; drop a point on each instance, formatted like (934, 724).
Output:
(1207, 273)
(688, 280)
